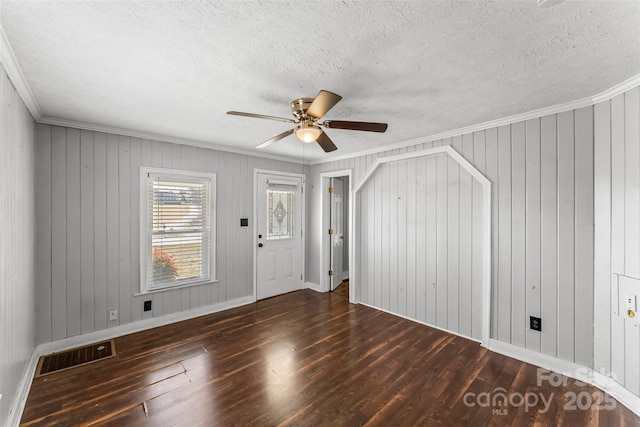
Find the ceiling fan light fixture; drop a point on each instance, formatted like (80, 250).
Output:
(307, 132)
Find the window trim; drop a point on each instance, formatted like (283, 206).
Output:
(146, 236)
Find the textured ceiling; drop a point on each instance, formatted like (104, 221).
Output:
(175, 68)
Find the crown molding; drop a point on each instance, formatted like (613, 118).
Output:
(160, 138)
(617, 89)
(540, 112)
(11, 67)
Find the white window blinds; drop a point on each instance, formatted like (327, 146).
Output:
(179, 230)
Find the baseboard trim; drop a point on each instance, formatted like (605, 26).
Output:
(15, 413)
(570, 369)
(20, 398)
(314, 287)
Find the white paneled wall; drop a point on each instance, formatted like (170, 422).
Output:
(617, 233)
(17, 242)
(542, 233)
(88, 236)
(416, 229)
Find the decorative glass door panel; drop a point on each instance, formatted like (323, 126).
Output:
(280, 214)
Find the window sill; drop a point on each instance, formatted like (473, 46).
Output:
(173, 288)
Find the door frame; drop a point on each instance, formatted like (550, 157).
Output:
(325, 208)
(254, 227)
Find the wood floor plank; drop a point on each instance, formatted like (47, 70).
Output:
(303, 358)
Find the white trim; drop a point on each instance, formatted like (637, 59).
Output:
(303, 205)
(11, 67)
(569, 369)
(15, 413)
(486, 235)
(145, 235)
(423, 323)
(617, 89)
(162, 138)
(20, 399)
(540, 112)
(325, 262)
(314, 287)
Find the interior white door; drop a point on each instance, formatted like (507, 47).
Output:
(279, 228)
(337, 232)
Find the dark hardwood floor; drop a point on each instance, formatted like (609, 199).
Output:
(304, 359)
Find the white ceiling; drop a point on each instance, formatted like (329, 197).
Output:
(175, 68)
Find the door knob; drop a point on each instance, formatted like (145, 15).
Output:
(260, 245)
(259, 236)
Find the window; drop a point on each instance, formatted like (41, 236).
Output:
(280, 201)
(177, 219)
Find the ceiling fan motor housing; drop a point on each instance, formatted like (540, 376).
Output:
(300, 106)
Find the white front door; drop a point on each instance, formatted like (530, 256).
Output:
(279, 234)
(337, 232)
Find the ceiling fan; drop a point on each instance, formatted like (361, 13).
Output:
(307, 113)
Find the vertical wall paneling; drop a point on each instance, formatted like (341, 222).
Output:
(467, 215)
(632, 230)
(431, 240)
(584, 235)
(617, 232)
(369, 244)
(113, 258)
(377, 246)
(632, 186)
(566, 236)
(17, 243)
(87, 291)
(43, 232)
(74, 299)
(453, 243)
(395, 262)
(125, 183)
(100, 230)
(479, 161)
(434, 236)
(566, 205)
(518, 235)
(532, 233)
(134, 224)
(88, 251)
(411, 239)
(58, 233)
(421, 242)
(491, 172)
(503, 275)
(442, 241)
(388, 243)
(549, 235)
(602, 243)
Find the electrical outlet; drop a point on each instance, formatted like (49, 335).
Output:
(113, 314)
(147, 305)
(535, 323)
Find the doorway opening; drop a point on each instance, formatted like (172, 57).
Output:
(336, 250)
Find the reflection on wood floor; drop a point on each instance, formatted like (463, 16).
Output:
(307, 358)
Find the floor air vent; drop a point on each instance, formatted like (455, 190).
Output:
(75, 357)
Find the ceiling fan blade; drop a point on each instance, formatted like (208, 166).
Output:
(323, 103)
(260, 116)
(326, 143)
(276, 138)
(365, 126)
